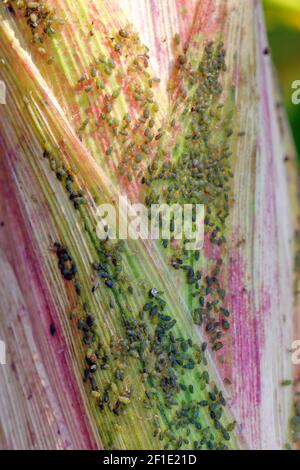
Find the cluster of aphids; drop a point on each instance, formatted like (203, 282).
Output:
(129, 138)
(76, 195)
(103, 273)
(112, 395)
(40, 17)
(166, 361)
(199, 173)
(98, 358)
(159, 349)
(171, 358)
(66, 264)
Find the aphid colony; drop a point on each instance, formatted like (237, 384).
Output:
(172, 368)
(109, 84)
(165, 360)
(66, 264)
(199, 172)
(66, 177)
(41, 20)
(178, 356)
(164, 364)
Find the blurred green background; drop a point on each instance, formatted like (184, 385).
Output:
(283, 24)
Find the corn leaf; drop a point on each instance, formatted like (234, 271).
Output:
(80, 92)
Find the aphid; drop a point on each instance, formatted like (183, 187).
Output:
(81, 325)
(123, 33)
(225, 311)
(203, 403)
(88, 88)
(151, 123)
(286, 382)
(52, 329)
(90, 319)
(77, 287)
(89, 354)
(138, 158)
(226, 435)
(114, 387)
(217, 346)
(115, 93)
(205, 376)
(85, 123)
(231, 426)
(78, 201)
(183, 346)
(180, 442)
(100, 83)
(109, 283)
(86, 375)
(225, 324)
(53, 164)
(146, 113)
(127, 118)
(93, 383)
(111, 63)
(93, 72)
(182, 59)
(109, 151)
(82, 79)
(118, 47)
(107, 70)
(124, 400)
(118, 374)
